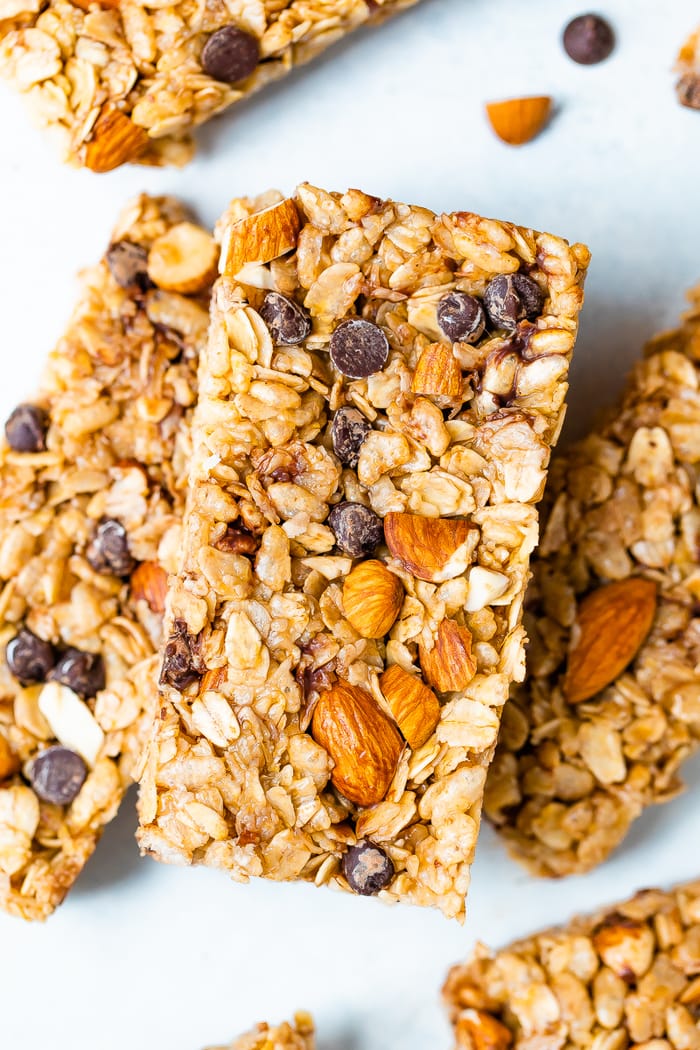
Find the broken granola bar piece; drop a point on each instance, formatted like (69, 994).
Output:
(299, 1035)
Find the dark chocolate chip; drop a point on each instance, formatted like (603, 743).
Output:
(178, 667)
(26, 428)
(348, 430)
(82, 672)
(287, 321)
(57, 775)
(29, 657)
(688, 90)
(367, 868)
(512, 297)
(128, 264)
(108, 552)
(358, 348)
(588, 39)
(230, 54)
(461, 317)
(358, 530)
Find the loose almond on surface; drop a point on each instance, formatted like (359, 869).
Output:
(115, 140)
(519, 120)
(613, 622)
(437, 373)
(183, 259)
(414, 706)
(372, 598)
(261, 237)
(449, 665)
(149, 581)
(363, 742)
(433, 549)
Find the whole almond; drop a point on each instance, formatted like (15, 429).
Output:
(415, 707)
(372, 598)
(260, 237)
(9, 763)
(433, 549)
(519, 120)
(437, 373)
(362, 741)
(115, 140)
(149, 581)
(613, 622)
(449, 665)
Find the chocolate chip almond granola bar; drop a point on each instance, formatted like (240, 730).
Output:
(116, 81)
(611, 704)
(91, 497)
(296, 1036)
(378, 399)
(628, 976)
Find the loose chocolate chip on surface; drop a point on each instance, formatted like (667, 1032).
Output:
(178, 667)
(26, 428)
(461, 317)
(287, 321)
(128, 264)
(57, 775)
(358, 530)
(109, 550)
(588, 39)
(358, 348)
(688, 91)
(230, 54)
(367, 869)
(348, 430)
(29, 658)
(82, 672)
(512, 297)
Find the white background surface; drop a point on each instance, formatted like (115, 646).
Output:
(143, 956)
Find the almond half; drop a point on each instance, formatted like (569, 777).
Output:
(433, 549)
(449, 665)
(372, 598)
(260, 237)
(149, 582)
(115, 140)
(438, 373)
(519, 120)
(415, 707)
(613, 622)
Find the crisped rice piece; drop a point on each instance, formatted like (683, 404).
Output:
(345, 620)
(92, 481)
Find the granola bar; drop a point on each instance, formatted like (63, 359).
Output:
(299, 1035)
(115, 81)
(92, 482)
(611, 704)
(688, 69)
(378, 399)
(628, 976)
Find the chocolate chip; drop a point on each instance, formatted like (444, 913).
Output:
(108, 552)
(461, 317)
(512, 297)
(367, 868)
(178, 667)
(230, 54)
(26, 428)
(358, 348)
(29, 657)
(82, 672)
(588, 39)
(358, 530)
(348, 430)
(287, 322)
(688, 90)
(128, 264)
(57, 775)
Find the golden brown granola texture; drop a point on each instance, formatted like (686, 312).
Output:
(297, 1035)
(628, 976)
(115, 401)
(688, 69)
(276, 690)
(570, 777)
(116, 80)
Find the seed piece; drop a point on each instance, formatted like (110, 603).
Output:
(178, 666)
(108, 551)
(26, 429)
(449, 665)
(82, 672)
(288, 322)
(372, 598)
(57, 775)
(519, 120)
(358, 348)
(128, 264)
(367, 868)
(29, 658)
(348, 431)
(433, 549)
(461, 317)
(512, 297)
(358, 530)
(415, 707)
(230, 54)
(588, 39)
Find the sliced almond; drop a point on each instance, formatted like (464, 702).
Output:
(612, 623)
(437, 373)
(260, 237)
(115, 140)
(183, 259)
(372, 598)
(415, 707)
(434, 549)
(519, 120)
(149, 582)
(449, 665)
(71, 720)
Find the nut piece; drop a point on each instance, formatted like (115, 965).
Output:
(613, 622)
(364, 744)
(261, 237)
(115, 140)
(433, 549)
(372, 598)
(478, 1030)
(449, 665)
(437, 373)
(415, 707)
(9, 763)
(519, 120)
(71, 721)
(183, 259)
(150, 583)
(625, 945)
